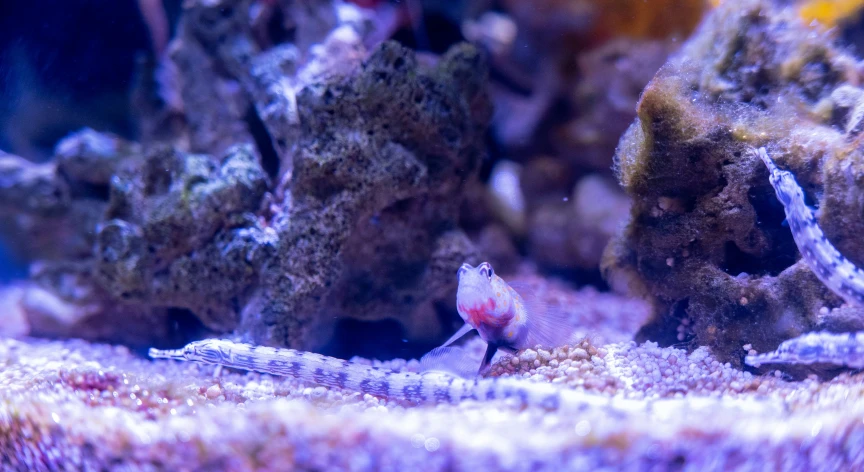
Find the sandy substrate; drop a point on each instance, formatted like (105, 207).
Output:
(74, 405)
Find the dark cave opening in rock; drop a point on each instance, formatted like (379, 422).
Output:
(446, 33)
(770, 217)
(664, 330)
(736, 261)
(382, 339)
(184, 326)
(181, 326)
(263, 142)
(852, 33)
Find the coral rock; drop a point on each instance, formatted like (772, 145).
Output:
(705, 232)
(369, 214)
(180, 232)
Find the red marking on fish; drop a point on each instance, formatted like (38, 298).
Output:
(480, 314)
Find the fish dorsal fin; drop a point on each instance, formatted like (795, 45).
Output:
(450, 360)
(548, 326)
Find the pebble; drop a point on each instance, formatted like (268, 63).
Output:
(528, 355)
(637, 365)
(579, 353)
(213, 392)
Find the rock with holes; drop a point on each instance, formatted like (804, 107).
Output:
(180, 231)
(111, 229)
(367, 227)
(297, 182)
(49, 215)
(48, 210)
(706, 241)
(237, 79)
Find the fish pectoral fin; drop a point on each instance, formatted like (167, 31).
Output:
(550, 330)
(450, 360)
(461, 332)
(546, 325)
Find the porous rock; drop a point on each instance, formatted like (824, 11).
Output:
(257, 80)
(705, 241)
(44, 214)
(201, 217)
(50, 213)
(368, 228)
(180, 231)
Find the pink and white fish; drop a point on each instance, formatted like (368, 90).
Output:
(503, 318)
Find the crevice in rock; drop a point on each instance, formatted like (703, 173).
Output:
(181, 328)
(664, 329)
(737, 261)
(382, 339)
(770, 216)
(270, 160)
(852, 34)
(446, 33)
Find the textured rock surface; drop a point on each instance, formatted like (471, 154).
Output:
(368, 228)
(705, 237)
(180, 231)
(50, 213)
(308, 177)
(111, 226)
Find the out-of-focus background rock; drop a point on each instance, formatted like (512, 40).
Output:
(279, 171)
(312, 173)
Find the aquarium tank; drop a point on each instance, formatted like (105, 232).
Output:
(399, 235)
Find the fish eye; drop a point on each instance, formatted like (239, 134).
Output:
(486, 270)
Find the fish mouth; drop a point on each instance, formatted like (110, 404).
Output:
(473, 293)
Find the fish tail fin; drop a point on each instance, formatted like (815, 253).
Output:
(177, 354)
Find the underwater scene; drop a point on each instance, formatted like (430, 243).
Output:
(399, 235)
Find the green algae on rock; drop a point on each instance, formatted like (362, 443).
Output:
(705, 238)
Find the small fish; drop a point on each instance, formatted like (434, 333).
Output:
(434, 385)
(503, 317)
(816, 348)
(835, 271)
